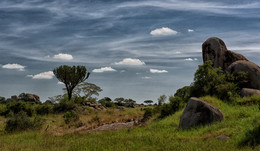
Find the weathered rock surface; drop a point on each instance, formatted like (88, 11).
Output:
(249, 92)
(198, 112)
(32, 97)
(252, 69)
(214, 49)
(95, 106)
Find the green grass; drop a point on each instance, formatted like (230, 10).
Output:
(158, 135)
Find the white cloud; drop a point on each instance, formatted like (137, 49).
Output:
(130, 61)
(190, 30)
(146, 77)
(158, 71)
(178, 52)
(43, 75)
(190, 59)
(163, 31)
(104, 69)
(60, 82)
(13, 66)
(63, 56)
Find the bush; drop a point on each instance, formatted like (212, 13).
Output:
(252, 138)
(43, 109)
(3, 109)
(147, 114)
(21, 121)
(176, 103)
(70, 117)
(63, 106)
(184, 93)
(227, 92)
(19, 106)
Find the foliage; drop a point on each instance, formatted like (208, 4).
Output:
(184, 93)
(149, 102)
(162, 100)
(176, 103)
(3, 109)
(43, 109)
(252, 138)
(107, 102)
(89, 89)
(63, 106)
(21, 121)
(215, 82)
(19, 106)
(71, 76)
(2, 100)
(130, 101)
(70, 117)
(92, 100)
(147, 114)
(119, 100)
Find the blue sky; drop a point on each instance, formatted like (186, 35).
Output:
(137, 49)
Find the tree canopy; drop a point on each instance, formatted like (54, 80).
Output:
(71, 76)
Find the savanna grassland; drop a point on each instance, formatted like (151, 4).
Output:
(159, 134)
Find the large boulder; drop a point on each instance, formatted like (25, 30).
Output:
(198, 112)
(214, 49)
(252, 69)
(249, 92)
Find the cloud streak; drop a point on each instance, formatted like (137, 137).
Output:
(164, 31)
(130, 62)
(43, 75)
(158, 71)
(63, 56)
(104, 69)
(14, 66)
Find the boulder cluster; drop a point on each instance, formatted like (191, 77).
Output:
(214, 49)
(198, 112)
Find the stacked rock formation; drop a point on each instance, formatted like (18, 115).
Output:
(214, 49)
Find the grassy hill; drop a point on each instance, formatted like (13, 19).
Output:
(156, 135)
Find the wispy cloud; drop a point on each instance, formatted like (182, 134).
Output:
(104, 69)
(43, 75)
(63, 56)
(163, 31)
(131, 62)
(14, 66)
(158, 71)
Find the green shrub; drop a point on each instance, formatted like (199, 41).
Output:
(63, 106)
(70, 117)
(227, 91)
(184, 93)
(252, 138)
(43, 109)
(19, 106)
(21, 121)
(176, 103)
(3, 109)
(147, 114)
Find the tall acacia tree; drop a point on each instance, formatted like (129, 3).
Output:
(71, 76)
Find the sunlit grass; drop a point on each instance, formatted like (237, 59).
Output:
(158, 135)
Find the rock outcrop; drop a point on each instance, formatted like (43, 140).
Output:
(252, 69)
(249, 92)
(198, 112)
(214, 49)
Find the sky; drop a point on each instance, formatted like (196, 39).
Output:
(137, 49)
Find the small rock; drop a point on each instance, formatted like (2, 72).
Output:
(223, 137)
(249, 92)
